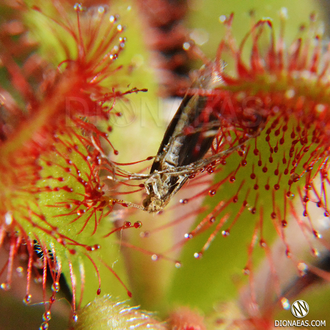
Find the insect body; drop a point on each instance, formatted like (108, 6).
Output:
(186, 141)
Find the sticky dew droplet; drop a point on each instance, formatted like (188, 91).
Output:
(78, 7)
(302, 268)
(198, 255)
(44, 326)
(154, 257)
(290, 195)
(285, 303)
(74, 317)
(186, 46)
(80, 212)
(315, 252)
(127, 224)
(137, 224)
(225, 233)
(178, 264)
(212, 220)
(55, 287)
(253, 210)
(46, 316)
(5, 286)
(222, 18)
(188, 236)
(27, 299)
(19, 271)
(112, 19)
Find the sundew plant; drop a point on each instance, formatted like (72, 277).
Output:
(86, 93)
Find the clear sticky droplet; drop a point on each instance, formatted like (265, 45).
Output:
(101, 10)
(178, 264)
(188, 235)
(212, 220)
(20, 271)
(222, 18)
(120, 28)
(27, 299)
(5, 286)
(44, 326)
(47, 316)
(137, 224)
(186, 45)
(154, 257)
(285, 303)
(74, 317)
(78, 7)
(290, 195)
(198, 255)
(225, 233)
(302, 267)
(315, 252)
(56, 287)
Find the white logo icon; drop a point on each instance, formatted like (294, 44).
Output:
(299, 308)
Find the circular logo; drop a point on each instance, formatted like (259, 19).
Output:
(299, 308)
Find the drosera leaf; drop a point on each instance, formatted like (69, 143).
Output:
(56, 206)
(286, 158)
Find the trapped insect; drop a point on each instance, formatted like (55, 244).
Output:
(186, 141)
(199, 125)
